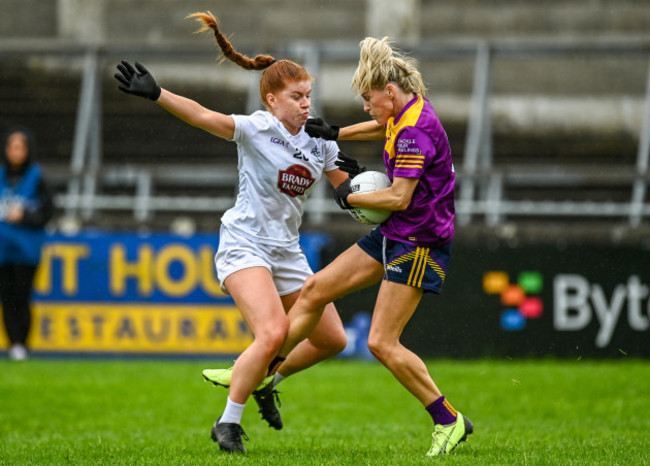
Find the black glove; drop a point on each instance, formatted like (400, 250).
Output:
(348, 164)
(341, 194)
(140, 83)
(317, 128)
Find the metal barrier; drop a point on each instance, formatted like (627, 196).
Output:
(480, 184)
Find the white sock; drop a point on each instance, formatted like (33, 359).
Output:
(277, 378)
(232, 413)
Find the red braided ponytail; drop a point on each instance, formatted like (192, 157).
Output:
(274, 78)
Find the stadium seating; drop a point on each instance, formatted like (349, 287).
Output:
(564, 122)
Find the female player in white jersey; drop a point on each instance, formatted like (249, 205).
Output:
(259, 261)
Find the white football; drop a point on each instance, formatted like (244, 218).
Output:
(368, 182)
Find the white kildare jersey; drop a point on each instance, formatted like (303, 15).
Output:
(277, 171)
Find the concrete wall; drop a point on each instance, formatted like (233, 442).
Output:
(264, 23)
(526, 18)
(566, 99)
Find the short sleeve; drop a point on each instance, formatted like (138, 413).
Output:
(247, 125)
(331, 151)
(414, 150)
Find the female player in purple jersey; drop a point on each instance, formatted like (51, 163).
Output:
(410, 251)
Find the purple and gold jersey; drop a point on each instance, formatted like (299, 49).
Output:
(417, 147)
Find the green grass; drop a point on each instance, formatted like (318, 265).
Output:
(340, 412)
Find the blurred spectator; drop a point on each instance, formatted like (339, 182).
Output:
(25, 207)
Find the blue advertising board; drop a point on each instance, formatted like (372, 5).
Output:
(101, 292)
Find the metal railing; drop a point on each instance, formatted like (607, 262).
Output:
(481, 185)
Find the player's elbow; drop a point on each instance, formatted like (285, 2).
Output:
(403, 204)
(399, 199)
(202, 120)
(400, 203)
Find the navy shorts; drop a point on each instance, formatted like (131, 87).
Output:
(417, 266)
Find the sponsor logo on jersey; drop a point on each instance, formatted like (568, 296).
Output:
(279, 141)
(394, 268)
(408, 146)
(295, 180)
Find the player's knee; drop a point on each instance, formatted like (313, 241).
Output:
(273, 336)
(335, 343)
(313, 293)
(378, 347)
(339, 341)
(309, 288)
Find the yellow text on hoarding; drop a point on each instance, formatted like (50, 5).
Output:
(138, 328)
(150, 270)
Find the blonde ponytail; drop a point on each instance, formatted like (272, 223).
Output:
(380, 64)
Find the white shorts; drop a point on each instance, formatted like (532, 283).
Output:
(288, 265)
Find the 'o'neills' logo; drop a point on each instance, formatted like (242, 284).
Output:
(295, 180)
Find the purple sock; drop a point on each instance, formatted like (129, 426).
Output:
(442, 412)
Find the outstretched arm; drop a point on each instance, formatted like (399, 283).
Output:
(138, 81)
(366, 131)
(195, 114)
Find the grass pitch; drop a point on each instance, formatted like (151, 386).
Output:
(136, 412)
